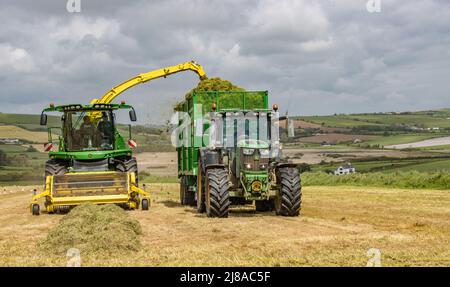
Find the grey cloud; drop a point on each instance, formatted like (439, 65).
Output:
(315, 57)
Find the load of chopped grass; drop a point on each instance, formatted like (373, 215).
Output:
(214, 84)
(105, 229)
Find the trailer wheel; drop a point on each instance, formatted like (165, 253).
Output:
(144, 204)
(289, 198)
(187, 197)
(217, 196)
(264, 205)
(182, 192)
(129, 165)
(200, 189)
(35, 209)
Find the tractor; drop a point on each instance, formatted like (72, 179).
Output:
(229, 154)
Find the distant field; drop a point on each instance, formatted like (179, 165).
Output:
(10, 131)
(28, 121)
(392, 165)
(419, 119)
(399, 139)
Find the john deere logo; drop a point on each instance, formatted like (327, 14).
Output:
(90, 155)
(256, 185)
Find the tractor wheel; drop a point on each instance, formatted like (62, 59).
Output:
(129, 165)
(289, 199)
(217, 196)
(264, 205)
(182, 192)
(187, 197)
(55, 167)
(145, 204)
(35, 209)
(200, 189)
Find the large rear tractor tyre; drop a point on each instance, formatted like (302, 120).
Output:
(289, 198)
(217, 197)
(55, 167)
(129, 165)
(264, 205)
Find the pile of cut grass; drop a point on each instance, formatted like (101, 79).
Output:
(93, 228)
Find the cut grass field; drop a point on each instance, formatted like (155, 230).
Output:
(337, 227)
(10, 131)
(400, 139)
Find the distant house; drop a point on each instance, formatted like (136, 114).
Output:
(357, 141)
(10, 140)
(345, 169)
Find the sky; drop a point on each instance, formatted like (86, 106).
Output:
(314, 57)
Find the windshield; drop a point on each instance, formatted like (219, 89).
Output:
(85, 131)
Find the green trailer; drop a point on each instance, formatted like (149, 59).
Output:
(229, 153)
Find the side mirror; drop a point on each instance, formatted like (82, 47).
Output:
(132, 115)
(43, 119)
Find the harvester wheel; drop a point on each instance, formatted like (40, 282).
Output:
(217, 196)
(264, 205)
(289, 198)
(35, 209)
(55, 167)
(145, 204)
(129, 165)
(200, 189)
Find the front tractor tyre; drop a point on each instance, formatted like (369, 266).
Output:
(217, 197)
(289, 197)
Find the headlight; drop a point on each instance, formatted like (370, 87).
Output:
(248, 151)
(248, 166)
(264, 152)
(262, 166)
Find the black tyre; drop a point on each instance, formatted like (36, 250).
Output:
(35, 209)
(217, 197)
(289, 199)
(200, 201)
(144, 204)
(187, 197)
(129, 165)
(264, 205)
(55, 167)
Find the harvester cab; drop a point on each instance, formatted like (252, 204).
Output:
(91, 162)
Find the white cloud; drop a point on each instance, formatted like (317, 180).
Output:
(16, 58)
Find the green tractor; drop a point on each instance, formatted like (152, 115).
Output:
(232, 155)
(93, 161)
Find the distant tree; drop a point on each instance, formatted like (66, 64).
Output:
(31, 149)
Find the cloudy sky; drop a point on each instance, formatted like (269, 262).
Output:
(314, 57)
